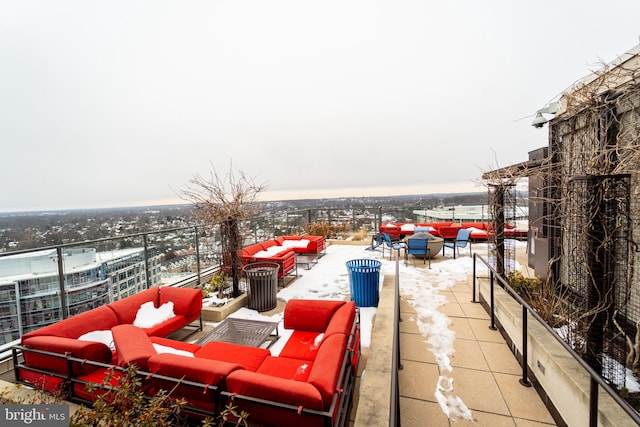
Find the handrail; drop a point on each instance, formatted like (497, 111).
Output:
(396, 364)
(595, 378)
(101, 240)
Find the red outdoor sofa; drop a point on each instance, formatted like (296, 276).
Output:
(480, 231)
(310, 382)
(282, 251)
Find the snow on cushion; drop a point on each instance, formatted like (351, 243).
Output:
(271, 251)
(302, 243)
(407, 227)
(149, 316)
(178, 345)
(105, 337)
(166, 349)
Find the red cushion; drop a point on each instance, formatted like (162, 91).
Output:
(302, 345)
(249, 358)
(326, 367)
(178, 345)
(186, 301)
(268, 243)
(127, 308)
(210, 372)
(132, 346)
(100, 318)
(342, 320)
(309, 315)
(273, 388)
(168, 326)
(89, 350)
(287, 368)
(96, 377)
(45, 382)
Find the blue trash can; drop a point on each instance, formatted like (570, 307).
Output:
(364, 281)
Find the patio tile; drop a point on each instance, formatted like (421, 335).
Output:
(408, 324)
(486, 419)
(523, 402)
(500, 358)
(418, 380)
(418, 413)
(479, 391)
(405, 306)
(462, 329)
(468, 355)
(414, 348)
(473, 310)
(482, 332)
(452, 309)
(528, 423)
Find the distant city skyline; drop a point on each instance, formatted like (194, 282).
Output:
(294, 195)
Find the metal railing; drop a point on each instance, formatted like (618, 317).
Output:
(394, 412)
(595, 378)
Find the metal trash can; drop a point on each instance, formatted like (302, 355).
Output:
(364, 281)
(263, 285)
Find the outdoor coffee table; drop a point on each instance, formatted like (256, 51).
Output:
(253, 333)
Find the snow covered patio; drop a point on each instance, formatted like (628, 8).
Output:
(455, 368)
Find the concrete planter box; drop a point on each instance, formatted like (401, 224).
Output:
(564, 382)
(218, 314)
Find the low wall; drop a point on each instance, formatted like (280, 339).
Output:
(561, 377)
(375, 385)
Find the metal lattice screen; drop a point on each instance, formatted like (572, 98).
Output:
(503, 213)
(596, 234)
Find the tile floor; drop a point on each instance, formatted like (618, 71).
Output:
(485, 372)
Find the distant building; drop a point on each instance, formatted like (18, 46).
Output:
(460, 213)
(30, 286)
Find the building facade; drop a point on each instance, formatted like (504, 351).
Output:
(584, 212)
(31, 295)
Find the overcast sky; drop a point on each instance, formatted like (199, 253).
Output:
(115, 103)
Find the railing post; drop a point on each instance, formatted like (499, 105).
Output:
(146, 260)
(474, 279)
(63, 293)
(395, 403)
(525, 342)
(593, 403)
(398, 320)
(195, 228)
(493, 311)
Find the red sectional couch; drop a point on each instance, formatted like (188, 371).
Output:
(302, 244)
(62, 337)
(481, 231)
(309, 383)
(282, 250)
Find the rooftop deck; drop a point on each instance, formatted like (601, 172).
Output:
(479, 380)
(485, 372)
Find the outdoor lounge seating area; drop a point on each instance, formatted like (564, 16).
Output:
(283, 251)
(480, 231)
(310, 382)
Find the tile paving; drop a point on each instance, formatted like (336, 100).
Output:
(485, 372)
